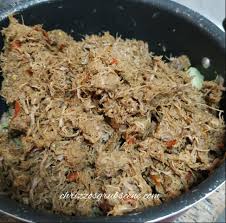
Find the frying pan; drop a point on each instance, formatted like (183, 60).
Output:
(170, 29)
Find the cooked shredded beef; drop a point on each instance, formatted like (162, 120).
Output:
(102, 115)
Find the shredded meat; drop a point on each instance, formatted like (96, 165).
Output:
(102, 115)
(180, 63)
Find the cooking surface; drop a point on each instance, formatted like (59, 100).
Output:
(209, 209)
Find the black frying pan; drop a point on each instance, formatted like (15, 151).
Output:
(169, 28)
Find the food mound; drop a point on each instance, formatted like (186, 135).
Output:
(102, 116)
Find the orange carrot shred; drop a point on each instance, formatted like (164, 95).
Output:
(46, 36)
(171, 143)
(131, 140)
(72, 177)
(62, 46)
(114, 61)
(17, 109)
(16, 44)
(156, 179)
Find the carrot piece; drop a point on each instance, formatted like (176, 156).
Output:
(62, 46)
(131, 140)
(16, 44)
(46, 36)
(114, 61)
(72, 177)
(17, 109)
(156, 179)
(171, 143)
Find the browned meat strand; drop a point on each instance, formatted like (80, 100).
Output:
(102, 115)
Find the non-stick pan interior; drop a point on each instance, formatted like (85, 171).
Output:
(170, 30)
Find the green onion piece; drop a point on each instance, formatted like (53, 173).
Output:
(197, 77)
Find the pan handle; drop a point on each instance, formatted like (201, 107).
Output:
(224, 24)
